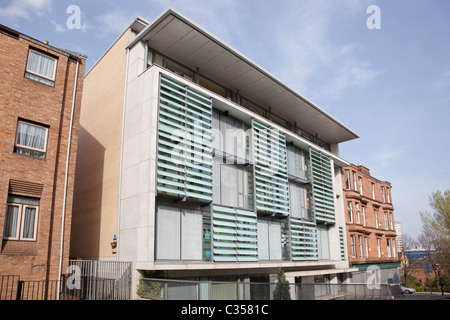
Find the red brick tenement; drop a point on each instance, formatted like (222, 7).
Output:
(40, 99)
(371, 237)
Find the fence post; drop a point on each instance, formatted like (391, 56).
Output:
(19, 289)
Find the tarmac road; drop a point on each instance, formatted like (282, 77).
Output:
(424, 296)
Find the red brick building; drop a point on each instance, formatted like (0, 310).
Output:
(40, 99)
(371, 236)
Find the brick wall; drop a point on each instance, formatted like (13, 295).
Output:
(24, 98)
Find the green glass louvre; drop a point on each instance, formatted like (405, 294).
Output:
(271, 182)
(234, 234)
(322, 186)
(303, 240)
(184, 142)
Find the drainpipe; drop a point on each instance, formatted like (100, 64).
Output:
(66, 177)
(121, 153)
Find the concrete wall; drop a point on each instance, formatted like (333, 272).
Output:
(98, 159)
(138, 187)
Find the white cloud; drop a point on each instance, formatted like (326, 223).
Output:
(27, 9)
(58, 28)
(318, 65)
(114, 22)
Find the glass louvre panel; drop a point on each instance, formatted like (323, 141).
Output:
(234, 234)
(322, 186)
(303, 240)
(184, 142)
(271, 183)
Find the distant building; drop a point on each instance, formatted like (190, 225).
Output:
(371, 235)
(197, 163)
(40, 99)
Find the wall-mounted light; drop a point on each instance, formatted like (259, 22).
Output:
(114, 243)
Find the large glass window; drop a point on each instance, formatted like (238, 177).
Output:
(230, 138)
(297, 164)
(21, 218)
(179, 234)
(322, 239)
(269, 240)
(232, 185)
(299, 198)
(31, 139)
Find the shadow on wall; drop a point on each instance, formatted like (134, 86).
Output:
(86, 216)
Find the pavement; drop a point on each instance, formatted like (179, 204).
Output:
(424, 296)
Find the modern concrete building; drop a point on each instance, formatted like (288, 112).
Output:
(371, 235)
(196, 162)
(40, 98)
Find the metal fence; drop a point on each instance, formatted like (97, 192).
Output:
(103, 280)
(166, 289)
(91, 280)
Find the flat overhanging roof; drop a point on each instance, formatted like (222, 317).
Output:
(182, 40)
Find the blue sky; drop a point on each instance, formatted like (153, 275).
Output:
(390, 85)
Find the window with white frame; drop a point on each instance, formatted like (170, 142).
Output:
(360, 245)
(347, 179)
(394, 254)
(376, 218)
(366, 245)
(383, 194)
(21, 218)
(354, 180)
(41, 67)
(350, 212)
(391, 221)
(373, 191)
(388, 195)
(363, 214)
(353, 245)
(379, 247)
(386, 224)
(358, 210)
(389, 248)
(31, 139)
(360, 186)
